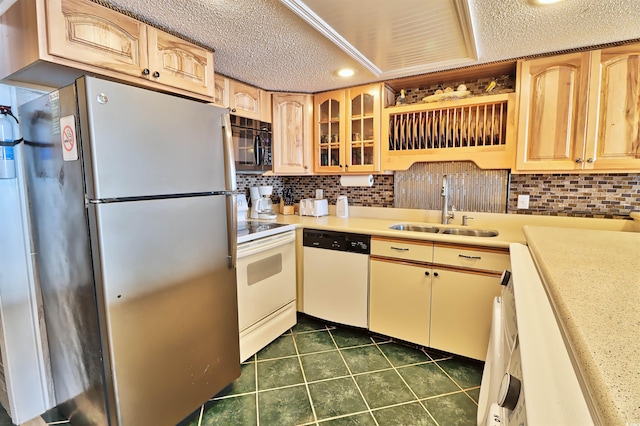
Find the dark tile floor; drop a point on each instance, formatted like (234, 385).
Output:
(320, 374)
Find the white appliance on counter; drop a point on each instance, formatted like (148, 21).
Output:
(313, 207)
(342, 206)
(528, 377)
(261, 204)
(266, 276)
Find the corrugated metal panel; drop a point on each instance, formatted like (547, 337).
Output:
(470, 188)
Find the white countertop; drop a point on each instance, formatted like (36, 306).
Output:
(377, 220)
(592, 278)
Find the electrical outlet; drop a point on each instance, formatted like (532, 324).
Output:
(523, 201)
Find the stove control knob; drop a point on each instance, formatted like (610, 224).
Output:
(509, 391)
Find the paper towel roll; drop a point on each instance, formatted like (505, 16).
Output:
(356, 180)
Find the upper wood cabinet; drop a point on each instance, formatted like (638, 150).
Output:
(580, 112)
(54, 41)
(87, 32)
(177, 63)
(249, 101)
(221, 90)
(292, 133)
(347, 129)
(616, 137)
(553, 106)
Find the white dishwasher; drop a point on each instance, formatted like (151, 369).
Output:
(336, 276)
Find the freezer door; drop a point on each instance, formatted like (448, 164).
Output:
(170, 304)
(136, 142)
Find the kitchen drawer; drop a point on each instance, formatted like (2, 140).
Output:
(402, 249)
(485, 258)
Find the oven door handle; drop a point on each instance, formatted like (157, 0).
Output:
(248, 249)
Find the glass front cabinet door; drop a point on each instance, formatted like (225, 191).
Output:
(362, 153)
(348, 130)
(330, 132)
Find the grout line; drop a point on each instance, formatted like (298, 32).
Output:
(345, 415)
(354, 379)
(255, 372)
(441, 395)
(306, 385)
(200, 415)
(407, 384)
(456, 383)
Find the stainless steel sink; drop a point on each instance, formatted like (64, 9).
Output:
(469, 232)
(415, 228)
(449, 231)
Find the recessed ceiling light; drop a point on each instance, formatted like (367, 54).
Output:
(543, 2)
(346, 72)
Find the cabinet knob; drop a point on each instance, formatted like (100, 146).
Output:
(578, 160)
(145, 71)
(156, 74)
(426, 273)
(306, 167)
(435, 274)
(589, 160)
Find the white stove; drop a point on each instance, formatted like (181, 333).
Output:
(266, 277)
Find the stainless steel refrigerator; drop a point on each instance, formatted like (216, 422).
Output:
(132, 196)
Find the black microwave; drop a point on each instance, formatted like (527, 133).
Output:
(251, 144)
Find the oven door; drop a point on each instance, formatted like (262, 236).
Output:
(266, 275)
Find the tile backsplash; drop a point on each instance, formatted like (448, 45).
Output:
(378, 195)
(597, 195)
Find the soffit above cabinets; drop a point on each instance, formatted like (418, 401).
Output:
(391, 39)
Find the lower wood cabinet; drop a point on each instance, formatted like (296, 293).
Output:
(422, 292)
(400, 300)
(461, 311)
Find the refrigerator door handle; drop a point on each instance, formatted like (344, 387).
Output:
(230, 183)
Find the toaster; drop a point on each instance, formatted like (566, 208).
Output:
(313, 207)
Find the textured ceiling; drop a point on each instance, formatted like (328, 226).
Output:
(264, 43)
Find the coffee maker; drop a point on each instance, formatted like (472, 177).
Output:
(261, 205)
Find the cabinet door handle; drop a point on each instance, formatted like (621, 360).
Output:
(435, 274)
(469, 257)
(578, 160)
(399, 248)
(589, 160)
(145, 71)
(426, 273)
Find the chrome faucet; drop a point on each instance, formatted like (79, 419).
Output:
(444, 193)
